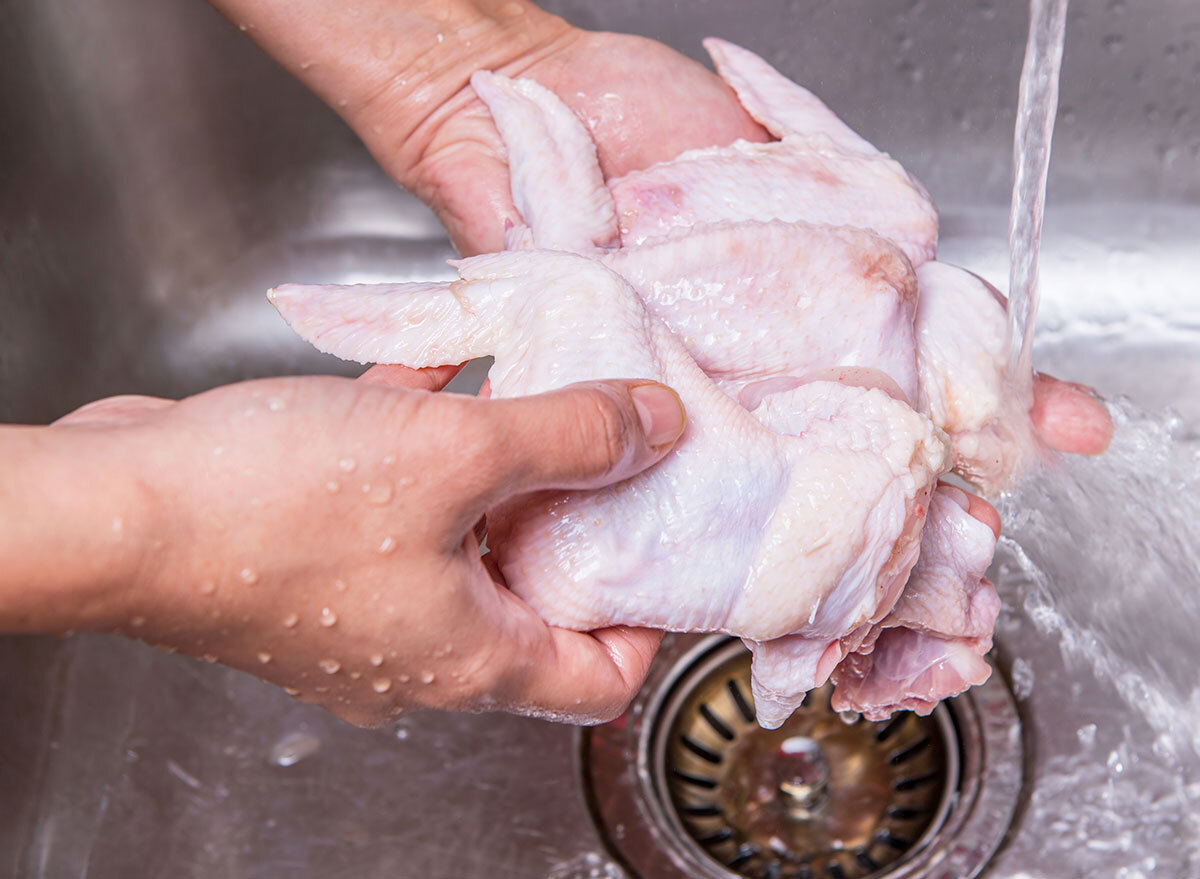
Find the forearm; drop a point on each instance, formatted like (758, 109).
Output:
(389, 66)
(70, 523)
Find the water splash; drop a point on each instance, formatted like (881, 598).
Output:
(1037, 105)
(1099, 571)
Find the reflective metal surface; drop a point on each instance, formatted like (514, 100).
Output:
(157, 174)
(684, 786)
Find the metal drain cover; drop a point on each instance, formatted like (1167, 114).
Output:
(687, 784)
(817, 797)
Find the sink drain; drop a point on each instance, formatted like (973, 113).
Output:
(686, 784)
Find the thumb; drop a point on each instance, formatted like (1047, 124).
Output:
(583, 436)
(113, 411)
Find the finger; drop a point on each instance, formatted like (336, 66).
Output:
(586, 678)
(463, 175)
(1069, 418)
(583, 436)
(431, 378)
(973, 505)
(984, 512)
(113, 411)
(472, 200)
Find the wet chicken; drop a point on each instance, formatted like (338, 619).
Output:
(773, 286)
(807, 527)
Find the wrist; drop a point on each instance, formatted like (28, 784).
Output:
(75, 519)
(390, 67)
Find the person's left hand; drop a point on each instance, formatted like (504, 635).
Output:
(322, 534)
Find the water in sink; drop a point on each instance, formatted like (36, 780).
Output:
(1099, 568)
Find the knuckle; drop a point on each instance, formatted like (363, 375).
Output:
(460, 439)
(605, 430)
(482, 675)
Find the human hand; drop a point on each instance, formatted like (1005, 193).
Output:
(321, 534)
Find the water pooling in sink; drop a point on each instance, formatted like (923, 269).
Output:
(1099, 567)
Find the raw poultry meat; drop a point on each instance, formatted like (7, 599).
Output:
(816, 330)
(809, 529)
(933, 641)
(819, 171)
(756, 301)
(962, 354)
(731, 291)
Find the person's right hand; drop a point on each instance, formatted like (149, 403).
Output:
(320, 533)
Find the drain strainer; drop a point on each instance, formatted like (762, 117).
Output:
(687, 784)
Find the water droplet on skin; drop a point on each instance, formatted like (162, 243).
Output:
(289, 621)
(242, 27)
(441, 36)
(306, 65)
(208, 657)
(387, 545)
(264, 657)
(275, 404)
(332, 486)
(376, 659)
(347, 465)
(378, 493)
(329, 666)
(381, 685)
(208, 587)
(249, 576)
(339, 585)
(137, 622)
(291, 691)
(427, 677)
(342, 102)
(355, 675)
(328, 617)
(404, 679)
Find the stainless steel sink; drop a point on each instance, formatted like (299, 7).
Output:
(158, 174)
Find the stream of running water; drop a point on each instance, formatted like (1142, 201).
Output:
(1099, 568)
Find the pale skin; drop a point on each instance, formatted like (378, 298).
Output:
(321, 533)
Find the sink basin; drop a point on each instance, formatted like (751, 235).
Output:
(159, 174)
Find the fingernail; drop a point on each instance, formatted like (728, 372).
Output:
(661, 413)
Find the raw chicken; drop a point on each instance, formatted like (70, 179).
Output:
(756, 301)
(931, 645)
(962, 353)
(557, 186)
(805, 529)
(760, 301)
(791, 520)
(819, 171)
